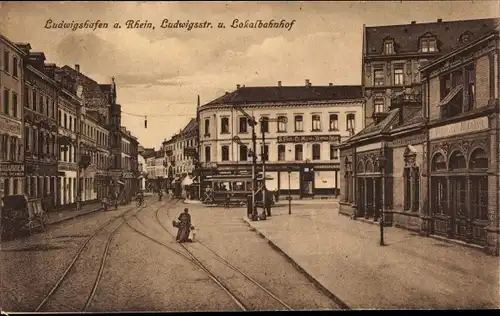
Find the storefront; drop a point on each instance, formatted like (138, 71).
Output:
(12, 175)
(42, 181)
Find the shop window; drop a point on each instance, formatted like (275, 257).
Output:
(243, 126)
(457, 161)
(438, 163)
(281, 152)
(316, 152)
(224, 128)
(479, 197)
(243, 153)
(479, 159)
(334, 122)
(6, 187)
(298, 152)
(439, 194)
(316, 123)
(225, 153)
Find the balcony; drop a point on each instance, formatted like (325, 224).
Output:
(405, 98)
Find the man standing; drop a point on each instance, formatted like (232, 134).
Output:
(268, 200)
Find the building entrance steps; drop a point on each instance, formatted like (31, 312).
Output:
(410, 272)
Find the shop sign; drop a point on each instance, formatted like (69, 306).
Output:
(12, 170)
(465, 127)
(10, 126)
(309, 138)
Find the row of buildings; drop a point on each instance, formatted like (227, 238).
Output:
(417, 141)
(60, 132)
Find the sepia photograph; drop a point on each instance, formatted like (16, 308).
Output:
(196, 156)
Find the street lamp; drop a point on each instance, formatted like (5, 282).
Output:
(381, 163)
(289, 198)
(347, 168)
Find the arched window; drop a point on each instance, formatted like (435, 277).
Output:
(478, 159)
(438, 163)
(361, 167)
(457, 161)
(369, 167)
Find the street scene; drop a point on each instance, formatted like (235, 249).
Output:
(249, 159)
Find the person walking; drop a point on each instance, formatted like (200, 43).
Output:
(269, 199)
(184, 226)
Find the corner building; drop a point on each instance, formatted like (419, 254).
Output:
(319, 117)
(429, 161)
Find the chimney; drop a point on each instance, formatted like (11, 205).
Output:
(77, 67)
(413, 22)
(308, 83)
(330, 84)
(279, 83)
(440, 20)
(238, 86)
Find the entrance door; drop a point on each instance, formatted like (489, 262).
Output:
(459, 212)
(370, 198)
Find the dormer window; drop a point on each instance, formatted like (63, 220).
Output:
(465, 37)
(388, 47)
(428, 45)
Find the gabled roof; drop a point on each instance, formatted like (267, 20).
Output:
(290, 93)
(406, 36)
(190, 127)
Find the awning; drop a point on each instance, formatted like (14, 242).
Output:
(119, 182)
(451, 95)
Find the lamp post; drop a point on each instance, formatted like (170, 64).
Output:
(347, 168)
(289, 197)
(381, 162)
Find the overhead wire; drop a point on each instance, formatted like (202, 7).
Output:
(155, 115)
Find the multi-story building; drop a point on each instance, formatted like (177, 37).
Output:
(392, 55)
(318, 118)
(90, 122)
(160, 169)
(41, 128)
(430, 161)
(181, 151)
(151, 171)
(12, 170)
(141, 167)
(129, 158)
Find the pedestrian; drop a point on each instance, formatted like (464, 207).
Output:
(269, 199)
(184, 226)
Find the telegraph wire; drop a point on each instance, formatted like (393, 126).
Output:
(155, 115)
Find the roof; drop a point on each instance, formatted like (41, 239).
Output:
(411, 115)
(406, 36)
(94, 96)
(290, 93)
(190, 127)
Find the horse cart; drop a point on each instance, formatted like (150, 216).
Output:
(20, 214)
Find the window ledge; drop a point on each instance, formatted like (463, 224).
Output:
(299, 131)
(316, 130)
(334, 130)
(281, 132)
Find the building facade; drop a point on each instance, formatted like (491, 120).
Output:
(12, 169)
(181, 151)
(141, 167)
(129, 157)
(429, 162)
(318, 118)
(41, 128)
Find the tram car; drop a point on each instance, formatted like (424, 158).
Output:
(236, 188)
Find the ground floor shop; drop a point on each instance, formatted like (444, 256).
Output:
(12, 177)
(303, 180)
(42, 181)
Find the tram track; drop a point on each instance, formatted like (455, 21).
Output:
(236, 296)
(51, 297)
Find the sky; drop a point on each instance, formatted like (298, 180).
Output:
(159, 72)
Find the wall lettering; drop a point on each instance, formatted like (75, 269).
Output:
(473, 125)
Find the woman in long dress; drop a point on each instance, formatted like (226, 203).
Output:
(184, 226)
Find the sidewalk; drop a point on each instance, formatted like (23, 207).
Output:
(57, 217)
(412, 272)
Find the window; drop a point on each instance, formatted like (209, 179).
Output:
(378, 105)
(66, 121)
(334, 122)
(398, 76)
(6, 103)
(14, 66)
(224, 125)
(470, 72)
(40, 104)
(298, 152)
(389, 48)
(451, 92)
(264, 124)
(225, 153)
(428, 45)
(281, 124)
(207, 154)
(479, 197)
(264, 150)
(299, 123)
(13, 148)
(350, 122)
(378, 77)
(316, 151)
(27, 135)
(33, 100)
(70, 121)
(4, 147)
(334, 153)
(207, 127)
(281, 152)
(243, 125)
(6, 61)
(407, 189)
(243, 153)
(26, 97)
(316, 123)
(14, 104)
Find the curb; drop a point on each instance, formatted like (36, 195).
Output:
(318, 284)
(75, 216)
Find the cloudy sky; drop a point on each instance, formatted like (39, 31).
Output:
(161, 71)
